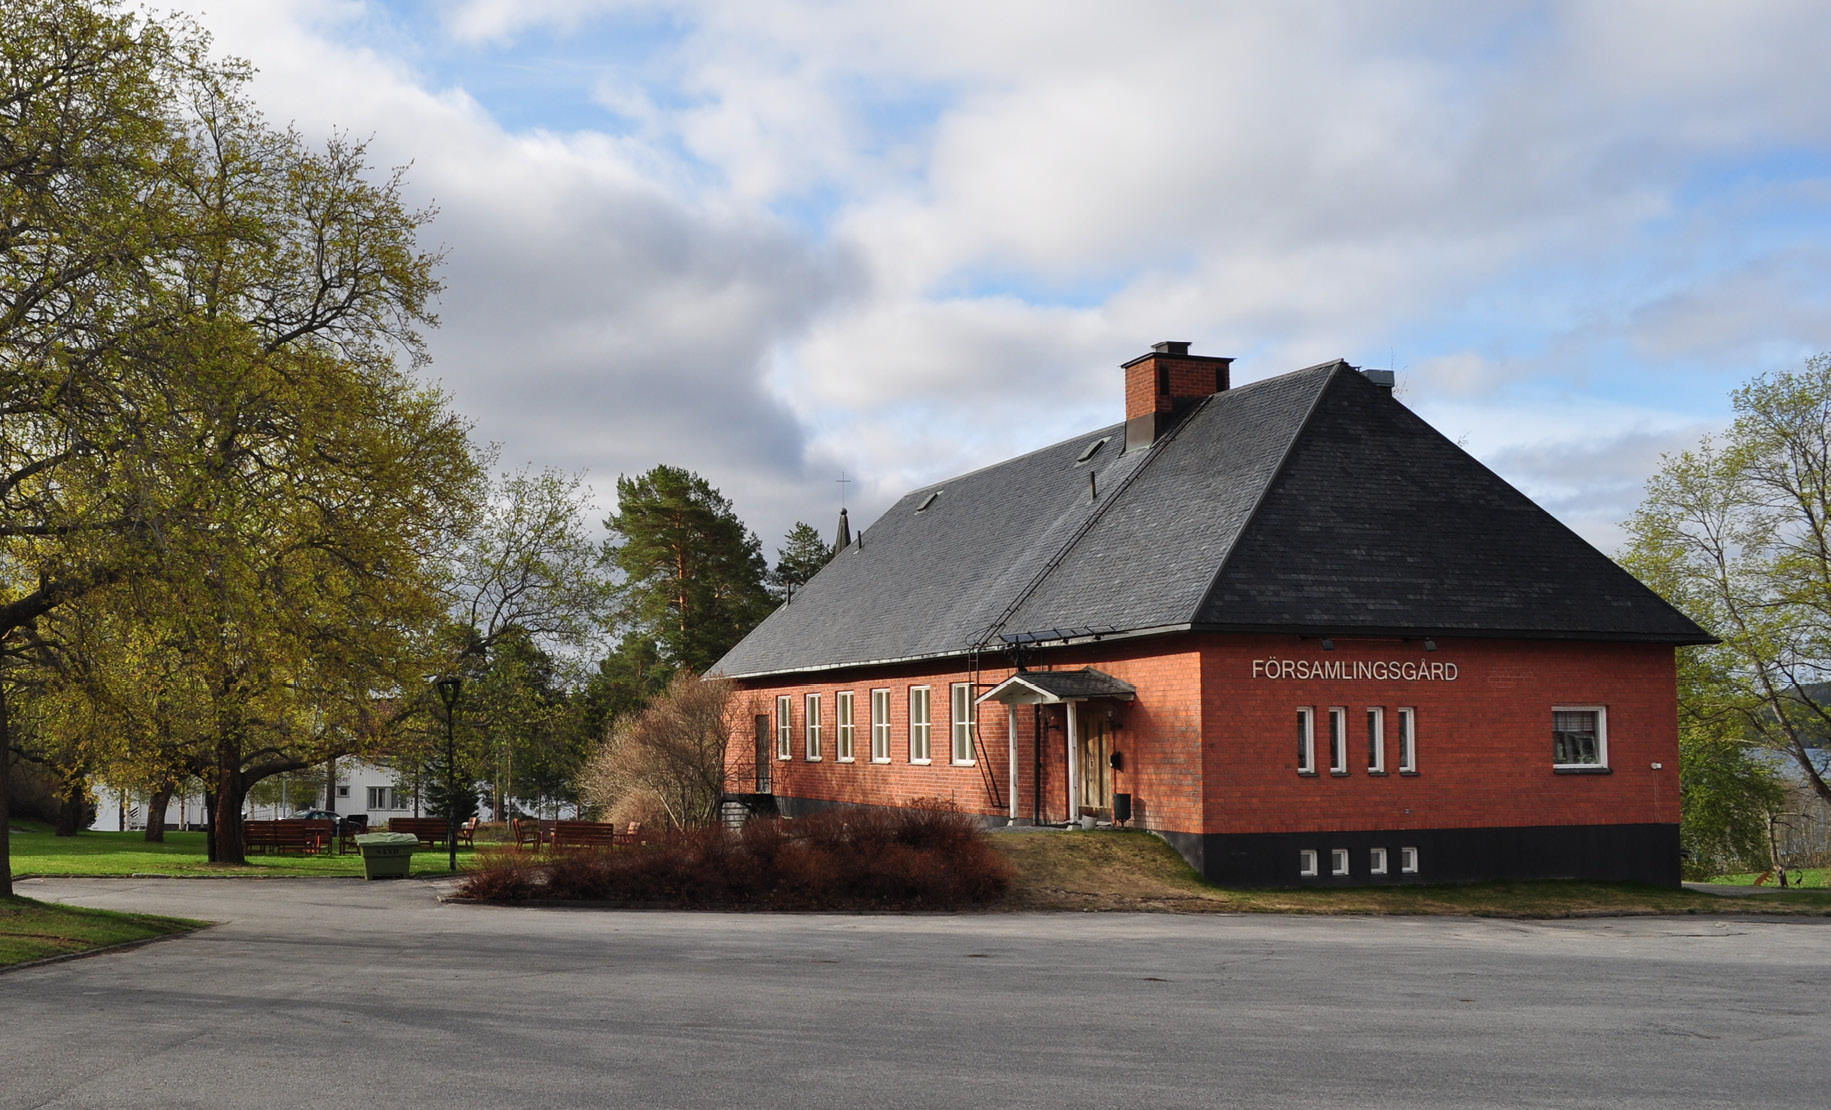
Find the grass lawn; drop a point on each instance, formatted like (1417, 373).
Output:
(1137, 871)
(99, 854)
(1807, 877)
(35, 930)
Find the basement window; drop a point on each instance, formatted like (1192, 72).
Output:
(1408, 861)
(1093, 449)
(1306, 863)
(927, 501)
(1376, 861)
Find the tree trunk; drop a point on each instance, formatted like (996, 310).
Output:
(155, 814)
(228, 810)
(70, 814)
(6, 761)
(330, 785)
(209, 824)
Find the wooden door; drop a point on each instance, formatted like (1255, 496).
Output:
(1096, 787)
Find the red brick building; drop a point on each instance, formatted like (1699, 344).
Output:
(1289, 627)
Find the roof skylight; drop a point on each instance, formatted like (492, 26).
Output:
(1093, 449)
(927, 501)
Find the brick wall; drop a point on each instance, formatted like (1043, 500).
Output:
(1484, 746)
(1209, 747)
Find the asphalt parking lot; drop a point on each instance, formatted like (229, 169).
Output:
(338, 993)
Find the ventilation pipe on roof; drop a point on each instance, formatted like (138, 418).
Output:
(1162, 386)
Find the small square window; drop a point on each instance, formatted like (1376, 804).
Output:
(1408, 861)
(1376, 861)
(1579, 736)
(1338, 861)
(343, 791)
(1306, 863)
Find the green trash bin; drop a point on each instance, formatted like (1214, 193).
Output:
(387, 855)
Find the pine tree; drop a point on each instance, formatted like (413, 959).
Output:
(800, 557)
(692, 573)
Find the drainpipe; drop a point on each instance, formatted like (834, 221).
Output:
(1074, 763)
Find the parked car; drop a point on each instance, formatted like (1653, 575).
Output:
(321, 815)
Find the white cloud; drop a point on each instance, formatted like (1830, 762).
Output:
(909, 238)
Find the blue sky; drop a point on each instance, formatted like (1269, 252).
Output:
(776, 239)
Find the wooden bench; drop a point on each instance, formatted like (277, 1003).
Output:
(290, 835)
(433, 830)
(583, 836)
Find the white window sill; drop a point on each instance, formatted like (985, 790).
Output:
(813, 759)
(876, 759)
(845, 759)
(921, 762)
(965, 763)
(1581, 769)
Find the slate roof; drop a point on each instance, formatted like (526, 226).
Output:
(1312, 502)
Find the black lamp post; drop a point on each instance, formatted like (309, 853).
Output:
(448, 693)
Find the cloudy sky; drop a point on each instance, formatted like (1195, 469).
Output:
(778, 240)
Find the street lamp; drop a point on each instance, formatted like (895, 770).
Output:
(448, 693)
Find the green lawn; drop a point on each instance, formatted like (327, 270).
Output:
(1808, 877)
(99, 854)
(32, 930)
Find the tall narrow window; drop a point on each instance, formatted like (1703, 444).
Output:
(1338, 740)
(1306, 741)
(1579, 737)
(918, 724)
(1376, 740)
(813, 727)
(1408, 741)
(880, 726)
(962, 719)
(842, 721)
(785, 732)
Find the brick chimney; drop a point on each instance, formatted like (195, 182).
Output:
(1162, 386)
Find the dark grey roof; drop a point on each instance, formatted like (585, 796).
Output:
(1068, 685)
(1312, 501)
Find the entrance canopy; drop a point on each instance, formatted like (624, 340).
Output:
(1056, 687)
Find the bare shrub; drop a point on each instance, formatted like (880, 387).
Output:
(930, 857)
(502, 876)
(668, 761)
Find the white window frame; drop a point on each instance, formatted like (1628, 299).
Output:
(1408, 861)
(785, 727)
(960, 723)
(1376, 740)
(1306, 740)
(843, 731)
(1376, 861)
(811, 729)
(1601, 712)
(1408, 740)
(1338, 862)
(1306, 864)
(1338, 739)
(880, 726)
(921, 725)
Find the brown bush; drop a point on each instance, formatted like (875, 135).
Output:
(930, 857)
(503, 877)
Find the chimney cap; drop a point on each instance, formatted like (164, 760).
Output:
(1171, 347)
